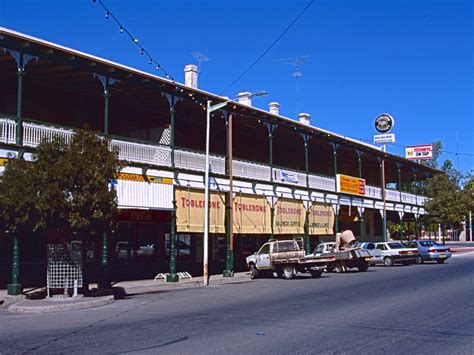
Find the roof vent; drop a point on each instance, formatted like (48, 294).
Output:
(244, 98)
(304, 118)
(274, 108)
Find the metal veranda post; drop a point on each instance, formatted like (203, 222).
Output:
(14, 288)
(361, 213)
(229, 271)
(336, 215)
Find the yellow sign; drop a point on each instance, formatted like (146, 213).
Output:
(145, 178)
(3, 161)
(190, 211)
(289, 217)
(251, 215)
(350, 185)
(321, 219)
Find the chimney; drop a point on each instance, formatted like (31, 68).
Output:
(191, 76)
(304, 118)
(245, 98)
(274, 108)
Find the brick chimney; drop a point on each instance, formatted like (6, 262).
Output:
(191, 76)
(274, 108)
(244, 98)
(304, 118)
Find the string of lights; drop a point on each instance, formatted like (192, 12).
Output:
(404, 146)
(109, 15)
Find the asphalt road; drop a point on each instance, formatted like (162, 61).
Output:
(399, 310)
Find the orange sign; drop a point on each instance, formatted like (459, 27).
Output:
(350, 185)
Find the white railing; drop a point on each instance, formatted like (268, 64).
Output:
(142, 153)
(34, 134)
(392, 195)
(408, 198)
(421, 200)
(7, 131)
(197, 161)
(250, 170)
(374, 192)
(322, 183)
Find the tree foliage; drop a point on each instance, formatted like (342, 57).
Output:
(64, 189)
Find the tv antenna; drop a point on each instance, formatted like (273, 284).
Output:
(296, 62)
(200, 57)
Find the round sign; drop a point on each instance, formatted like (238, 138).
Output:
(384, 123)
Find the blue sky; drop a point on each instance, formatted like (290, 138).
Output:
(410, 58)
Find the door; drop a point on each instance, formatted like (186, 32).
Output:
(263, 257)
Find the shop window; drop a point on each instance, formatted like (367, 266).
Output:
(183, 247)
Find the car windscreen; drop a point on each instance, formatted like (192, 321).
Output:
(395, 246)
(429, 243)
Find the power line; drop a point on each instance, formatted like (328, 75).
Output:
(268, 48)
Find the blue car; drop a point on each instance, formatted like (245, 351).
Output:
(430, 250)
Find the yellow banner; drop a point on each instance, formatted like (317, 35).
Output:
(145, 178)
(190, 211)
(289, 217)
(3, 161)
(350, 185)
(251, 215)
(321, 219)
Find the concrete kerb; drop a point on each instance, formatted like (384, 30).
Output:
(45, 306)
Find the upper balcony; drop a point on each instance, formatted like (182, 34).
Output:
(159, 155)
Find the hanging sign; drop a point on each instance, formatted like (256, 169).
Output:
(384, 123)
(350, 185)
(145, 178)
(287, 176)
(384, 138)
(251, 215)
(418, 152)
(190, 211)
(289, 217)
(321, 219)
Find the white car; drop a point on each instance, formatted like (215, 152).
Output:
(394, 252)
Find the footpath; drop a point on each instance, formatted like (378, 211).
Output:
(28, 304)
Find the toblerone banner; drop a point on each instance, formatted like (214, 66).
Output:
(190, 211)
(251, 215)
(289, 217)
(321, 219)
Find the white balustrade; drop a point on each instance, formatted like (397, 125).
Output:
(392, 195)
(250, 170)
(421, 200)
(34, 134)
(322, 183)
(408, 198)
(197, 161)
(7, 131)
(374, 192)
(142, 153)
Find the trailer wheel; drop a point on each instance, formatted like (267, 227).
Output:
(289, 272)
(316, 273)
(363, 265)
(253, 272)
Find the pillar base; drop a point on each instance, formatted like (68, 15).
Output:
(228, 273)
(14, 289)
(172, 278)
(104, 282)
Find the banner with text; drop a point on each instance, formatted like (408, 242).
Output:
(190, 211)
(321, 219)
(251, 215)
(289, 217)
(350, 185)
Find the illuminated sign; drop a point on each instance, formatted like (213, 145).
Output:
(384, 138)
(384, 123)
(418, 152)
(350, 185)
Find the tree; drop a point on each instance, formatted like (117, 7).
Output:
(64, 190)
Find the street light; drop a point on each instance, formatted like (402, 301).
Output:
(209, 110)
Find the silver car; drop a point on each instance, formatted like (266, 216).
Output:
(430, 250)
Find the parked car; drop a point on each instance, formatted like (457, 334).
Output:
(395, 252)
(371, 249)
(354, 257)
(430, 250)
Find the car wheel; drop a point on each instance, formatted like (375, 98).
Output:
(289, 272)
(253, 272)
(419, 260)
(316, 273)
(387, 261)
(440, 261)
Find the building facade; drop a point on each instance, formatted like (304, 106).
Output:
(289, 178)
